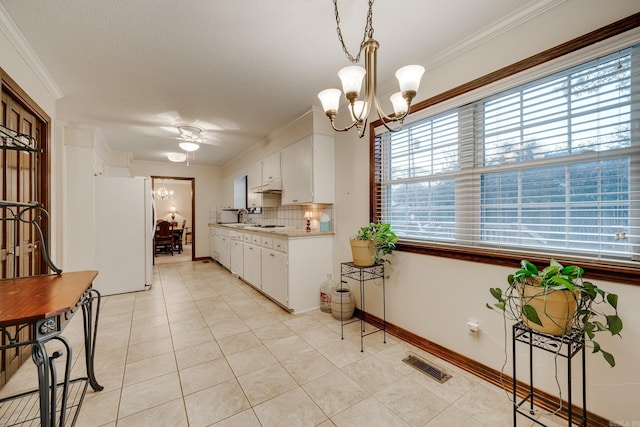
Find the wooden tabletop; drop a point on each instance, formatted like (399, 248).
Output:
(28, 299)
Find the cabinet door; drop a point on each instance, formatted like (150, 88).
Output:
(227, 192)
(213, 253)
(252, 265)
(237, 257)
(271, 168)
(297, 173)
(274, 275)
(254, 179)
(225, 252)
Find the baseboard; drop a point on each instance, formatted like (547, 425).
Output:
(484, 372)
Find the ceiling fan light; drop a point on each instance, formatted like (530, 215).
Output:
(177, 157)
(190, 132)
(189, 146)
(409, 77)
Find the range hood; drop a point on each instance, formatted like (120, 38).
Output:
(274, 186)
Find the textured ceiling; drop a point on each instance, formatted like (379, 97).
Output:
(240, 69)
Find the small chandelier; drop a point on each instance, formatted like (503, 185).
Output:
(162, 193)
(351, 76)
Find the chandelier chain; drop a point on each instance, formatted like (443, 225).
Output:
(368, 32)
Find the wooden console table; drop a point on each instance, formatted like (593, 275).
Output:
(45, 304)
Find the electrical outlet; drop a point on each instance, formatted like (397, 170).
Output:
(473, 326)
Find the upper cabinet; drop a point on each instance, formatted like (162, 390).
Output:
(308, 171)
(271, 168)
(256, 199)
(227, 192)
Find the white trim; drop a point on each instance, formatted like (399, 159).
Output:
(492, 31)
(15, 37)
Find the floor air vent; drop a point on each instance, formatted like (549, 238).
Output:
(427, 368)
(206, 261)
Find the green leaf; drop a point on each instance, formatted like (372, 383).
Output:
(563, 282)
(612, 299)
(531, 314)
(614, 324)
(609, 358)
(496, 293)
(529, 266)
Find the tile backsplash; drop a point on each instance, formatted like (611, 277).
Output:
(293, 216)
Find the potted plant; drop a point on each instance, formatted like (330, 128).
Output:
(372, 243)
(557, 301)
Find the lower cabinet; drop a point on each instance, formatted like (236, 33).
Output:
(274, 275)
(237, 256)
(287, 269)
(252, 265)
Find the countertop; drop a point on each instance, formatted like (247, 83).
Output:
(290, 232)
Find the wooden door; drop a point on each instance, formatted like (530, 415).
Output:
(20, 180)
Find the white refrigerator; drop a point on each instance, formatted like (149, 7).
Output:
(124, 214)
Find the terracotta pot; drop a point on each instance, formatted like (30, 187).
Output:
(363, 252)
(555, 308)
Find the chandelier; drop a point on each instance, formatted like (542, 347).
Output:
(351, 77)
(162, 193)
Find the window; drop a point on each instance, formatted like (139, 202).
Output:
(548, 167)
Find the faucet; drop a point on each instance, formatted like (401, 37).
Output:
(243, 211)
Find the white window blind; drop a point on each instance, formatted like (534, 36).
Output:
(551, 166)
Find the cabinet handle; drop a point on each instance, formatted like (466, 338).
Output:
(295, 200)
(271, 255)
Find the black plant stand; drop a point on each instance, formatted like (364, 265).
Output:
(348, 270)
(565, 347)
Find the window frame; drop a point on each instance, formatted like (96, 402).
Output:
(628, 272)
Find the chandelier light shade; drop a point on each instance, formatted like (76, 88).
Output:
(177, 157)
(353, 76)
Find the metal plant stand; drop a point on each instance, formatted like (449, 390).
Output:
(348, 270)
(565, 347)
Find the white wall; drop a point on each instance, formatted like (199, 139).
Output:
(434, 297)
(208, 193)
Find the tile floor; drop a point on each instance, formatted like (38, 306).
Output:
(202, 348)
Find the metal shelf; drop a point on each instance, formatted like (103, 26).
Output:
(24, 409)
(565, 347)
(348, 270)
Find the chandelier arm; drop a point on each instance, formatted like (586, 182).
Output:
(348, 127)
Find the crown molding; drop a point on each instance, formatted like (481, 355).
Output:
(15, 37)
(483, 36)
(506, 24)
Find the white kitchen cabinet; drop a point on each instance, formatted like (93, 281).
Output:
(237, 255)
(275, 275)
(213, 253)
(227, 192)
(310, 259)
(223, 248)
(252, 264)
(308, 171)
(271, 168)
(254, 179)
(287, 269)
